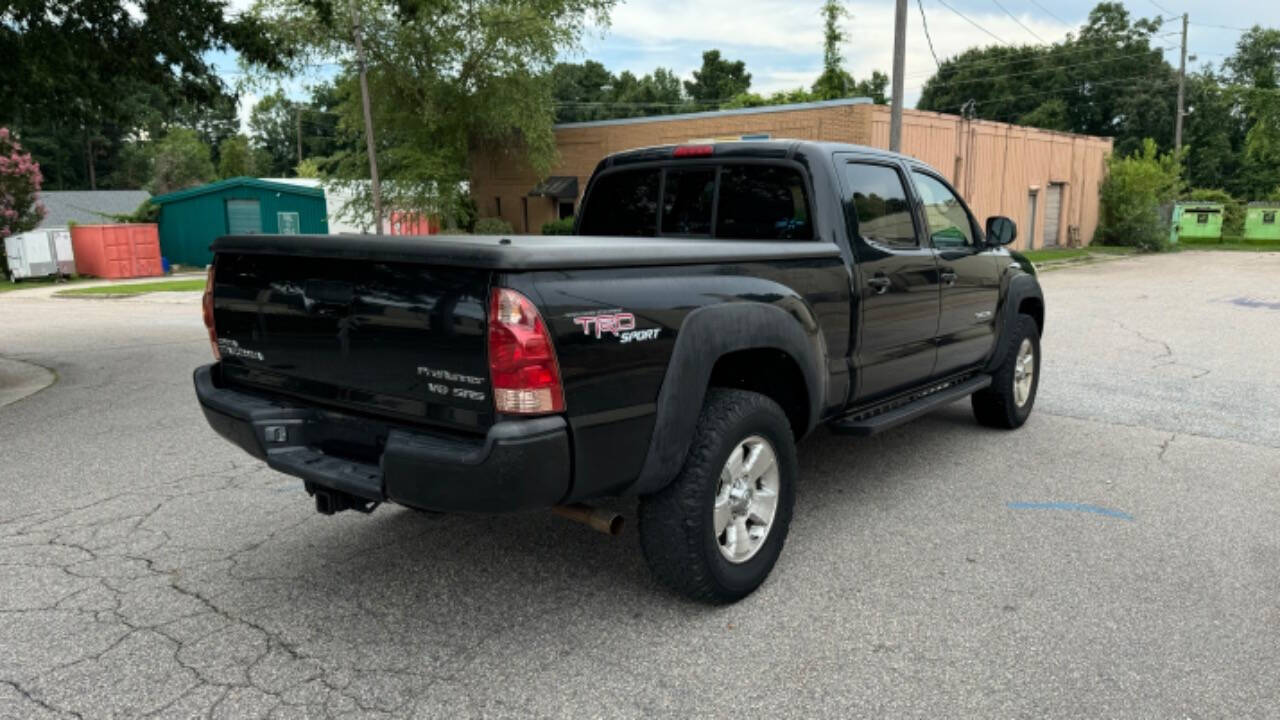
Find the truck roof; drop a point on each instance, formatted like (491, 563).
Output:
(779, 148)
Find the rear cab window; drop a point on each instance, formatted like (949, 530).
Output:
(743, 201)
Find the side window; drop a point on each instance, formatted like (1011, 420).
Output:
(623, 203)
(763, 202)
(686, 201)
(880, 205)
(949, 223)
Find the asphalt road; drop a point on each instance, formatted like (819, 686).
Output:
(940, 570)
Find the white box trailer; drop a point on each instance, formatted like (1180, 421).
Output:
(40, 253)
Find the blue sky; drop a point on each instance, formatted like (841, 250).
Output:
(781, 40)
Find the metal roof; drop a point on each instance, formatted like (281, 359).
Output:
(87, 207)
(718, 113)
(557, 186)
(237, 182)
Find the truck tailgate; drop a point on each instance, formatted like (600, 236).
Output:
(397, 339)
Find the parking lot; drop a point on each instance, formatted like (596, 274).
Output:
(1119, 556)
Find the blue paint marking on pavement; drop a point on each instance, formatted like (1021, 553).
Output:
(1078, 507)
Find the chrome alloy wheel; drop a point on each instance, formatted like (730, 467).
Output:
(746, 499)
(1024, 372)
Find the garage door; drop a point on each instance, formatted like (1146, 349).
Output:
(243, 217)
(1052, 214)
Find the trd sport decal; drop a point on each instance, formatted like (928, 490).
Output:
(621, 325)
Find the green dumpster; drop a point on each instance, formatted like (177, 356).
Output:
(1262, 221)
(1201, 220)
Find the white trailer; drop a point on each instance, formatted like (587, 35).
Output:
(40, 253)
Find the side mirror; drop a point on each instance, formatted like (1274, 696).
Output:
(1001, 230)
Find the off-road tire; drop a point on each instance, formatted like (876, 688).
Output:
(995, 406)
(676, 524)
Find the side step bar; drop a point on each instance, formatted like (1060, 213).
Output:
(865, 425)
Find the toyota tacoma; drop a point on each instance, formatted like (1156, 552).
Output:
(716, 304)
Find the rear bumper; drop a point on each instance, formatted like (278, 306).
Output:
(518, 465)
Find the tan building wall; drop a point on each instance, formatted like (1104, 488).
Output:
(996, 166)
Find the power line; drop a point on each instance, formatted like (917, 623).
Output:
(953, 65)
(1050, 13)
(1015, 19)
(927, 36)
(1221, 27)
(944, 4)
(1077, 87)
(1048, 70)
(1161, 8)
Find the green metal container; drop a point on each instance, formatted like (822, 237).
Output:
(191, 219)
(1202, 220)
(1262, 221)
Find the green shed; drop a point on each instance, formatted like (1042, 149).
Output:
(1260, 221)
(191, 219)
(1198, 220)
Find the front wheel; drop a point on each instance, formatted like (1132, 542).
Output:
(1007, 402)
(716, 531)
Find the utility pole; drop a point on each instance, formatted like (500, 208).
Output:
(368, 123)
(1182, 82)
(899, 66)
(297, 112)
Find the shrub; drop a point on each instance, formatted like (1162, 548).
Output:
(1136, 189)
(1233, 209)
(492, 226)
(20, 179)
(558, 227)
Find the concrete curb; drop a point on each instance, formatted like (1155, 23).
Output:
(19, 380)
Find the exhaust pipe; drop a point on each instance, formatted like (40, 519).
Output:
(598, 519)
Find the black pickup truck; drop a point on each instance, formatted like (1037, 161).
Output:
(716, 305)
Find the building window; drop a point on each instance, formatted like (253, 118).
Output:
(497, 207)
(287, 223)
(1202, 219)
(566, 210)
(1268, 218)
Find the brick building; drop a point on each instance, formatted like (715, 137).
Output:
(1046, 181)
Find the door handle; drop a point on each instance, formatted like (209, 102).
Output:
(948, 277)
(879, 284)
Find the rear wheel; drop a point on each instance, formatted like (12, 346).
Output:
(716, 531)
(1008, 401)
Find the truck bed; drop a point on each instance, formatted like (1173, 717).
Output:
(524, 252)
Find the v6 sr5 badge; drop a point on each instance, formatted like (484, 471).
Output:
(621, 325)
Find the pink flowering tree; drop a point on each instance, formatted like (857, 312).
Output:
(19, 186)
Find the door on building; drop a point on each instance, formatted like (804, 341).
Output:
(243, 217)
(1052, 214)
(1033, 204)
(895, 282)
(968, 272)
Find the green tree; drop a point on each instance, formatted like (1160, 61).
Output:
(272, 122)
(181, 160)
(1137, 188)
(1109, 77)
(717, 81)
(236, 158)
(1051, 114)
(443, 77)
(834, 82)
(87, 75)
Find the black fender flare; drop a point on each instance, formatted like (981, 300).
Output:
(1021, 287)
(706, 335)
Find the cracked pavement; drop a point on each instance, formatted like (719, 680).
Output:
(150, 569)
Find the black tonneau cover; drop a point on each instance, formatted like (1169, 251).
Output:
(524, 252)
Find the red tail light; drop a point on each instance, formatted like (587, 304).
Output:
(522, 360)
(694, 150)
(207, 303)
